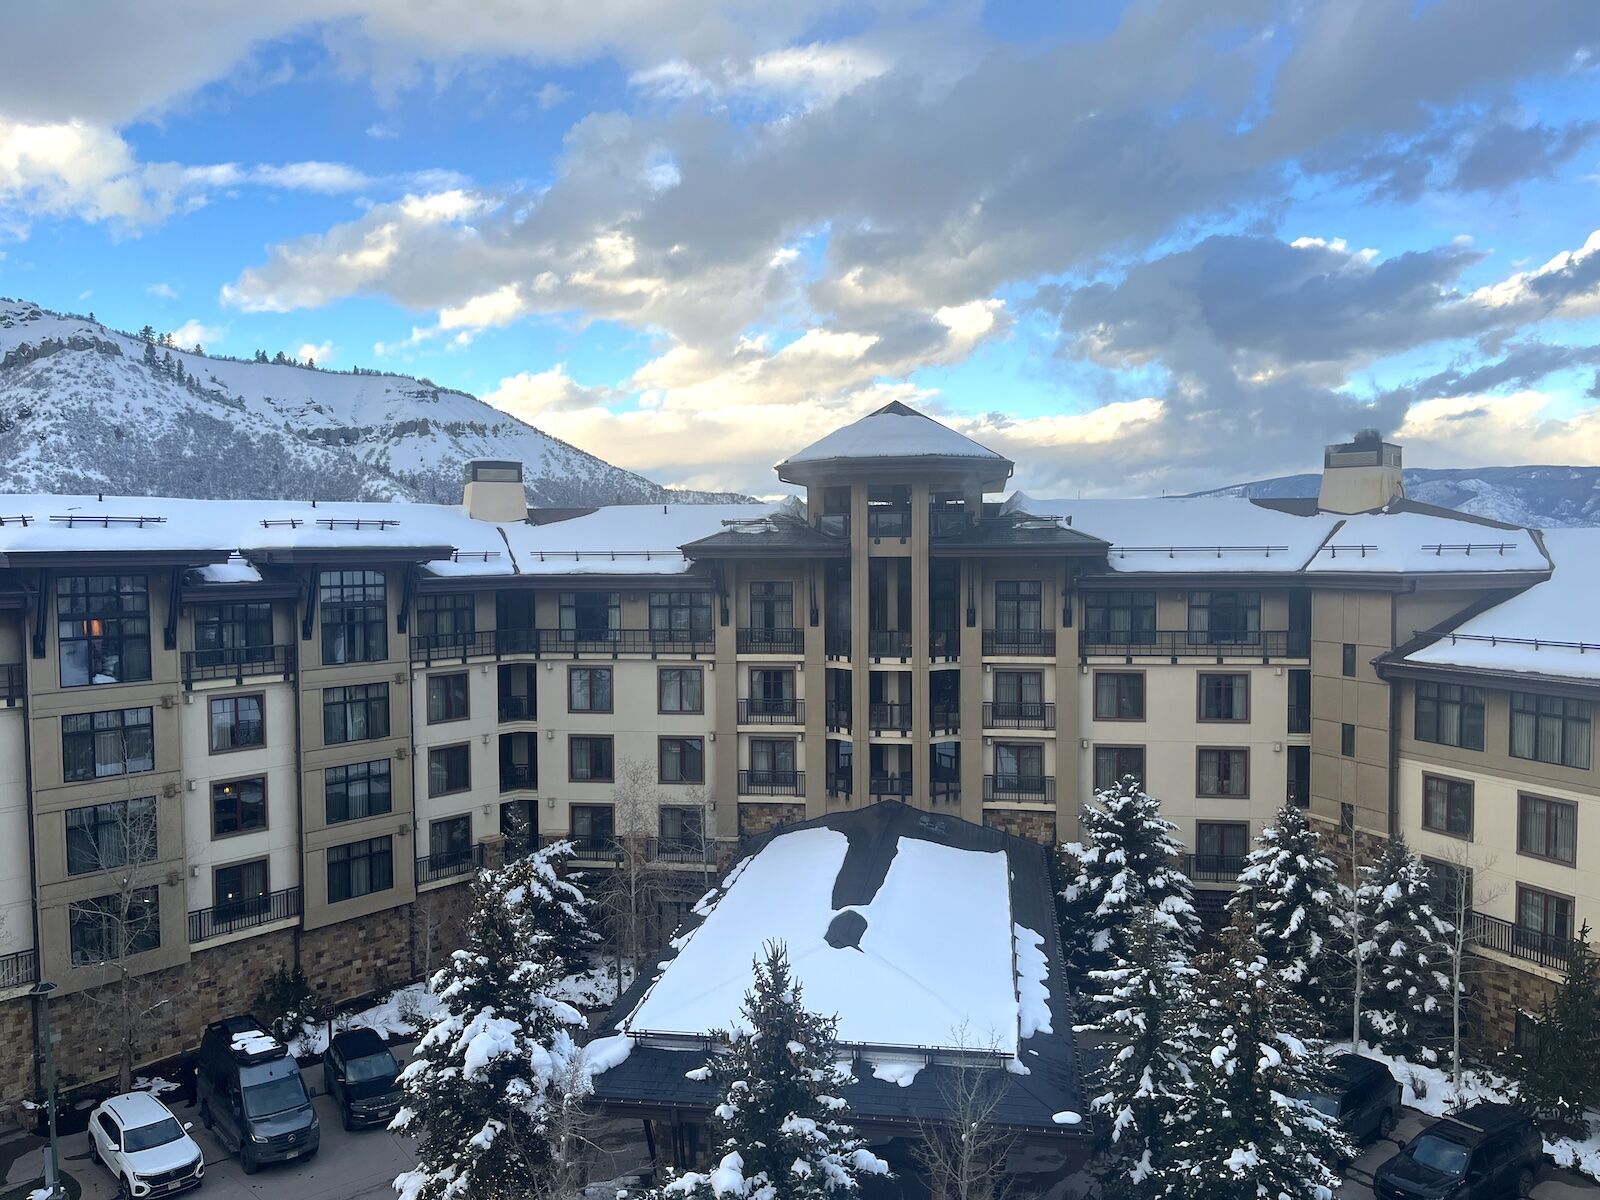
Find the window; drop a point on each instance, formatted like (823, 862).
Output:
(1118, 696)
(228, 634)
(449, 770)
(681, 830)
(1447, 806)
(590, 616)
(1547, 829)
(589, 689)
(1544, 920)
(103, 628)
(680, 616)
(447, 698)
(105, 930)
(1111, 763)
(236, 723)
(589, 759)
(102, 837)
(1224, 618)
(239, 890)
(1224, 697)
(1119, 618)
(772, 760)
(355, 714)
(680, 690)
(1347, 740)
(772, 605)
(1449, 889)
(1222, 772)
(593, 826)
(355, 616)
(449, 842)
(360, 868)
(116, 742)
(1448, 714)
(445, 620)
(1348, 660)
(683, 760)
(1218, 840)
(1018, 606)
(1528, 1035)
(1347, 820)
(238, 806)
(356, 790)
(1019, 763)
(1550, 729)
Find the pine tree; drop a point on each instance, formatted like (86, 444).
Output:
(1558, 1077)
(147, 334)
(1247, 1136)
(150, 359)
(557, 906)
(1406, 1006)
(1290, 889)
(498, 1066)
(779, 1130)
(1126, 859)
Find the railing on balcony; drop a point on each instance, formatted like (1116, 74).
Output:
(447, 647)
(838, 713)
(616, 642)
(893, 717)
(1298, 792)
(1029, 788)
(1213, 868)
(1018, 714)
(518, 708)
(888, 522)
(840, 783)
(944, 718)
(771, 639)
(1299, 718)
(944, 643)
(772, 783)
(836, 643)
(448, 864)
(595, 847)
(246, 662)
(834, 524)
(889, 643)
(1546, 949)
(945, 791)
(516, 641)
(1020, 643)
(772, 711)
(1193, 643)
(221, 919)
(947, 522)
(890, 787)
(518, 776)
(682, 850)
(20, 968)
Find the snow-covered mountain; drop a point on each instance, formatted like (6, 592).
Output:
(84, 408)
(1544, 497)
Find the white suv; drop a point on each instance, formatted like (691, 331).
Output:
(139, 1141)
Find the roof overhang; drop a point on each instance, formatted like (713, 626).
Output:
(1389, 667)
(113, 558)
(315, 555)
(989, 473)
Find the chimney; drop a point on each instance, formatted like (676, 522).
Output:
(494, 491)
(1360, 475)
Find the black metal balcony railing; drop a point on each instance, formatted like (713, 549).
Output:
(1299, 718)
(12, 683)
(1213, 868)
(231, 917)
(836, 643)
(518, 776)
(838, 714)
(1020, 643)
(594, 846)
(1030, 788)
(894, 717)
(246, 662)
(447, 647)
(944, 718)
(834, 524)
(772, 783)
(681, 850)
(889, 643)
(20, 968)
(760, 710)
(947, 522)
(1298, 792)
(889, 522)
(516, 641)
(1018, 714)
(1546, 949)
(777, 639)
(448, 864)
(518, 708)
(944, 643)
(945, 791)
(617, 642)
(840, 783)
(890, 787)
(1193, 643)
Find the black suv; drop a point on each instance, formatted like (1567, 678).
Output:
(251, 1095)
(1361, 1093)
(362, 1077)
(1485, 1152)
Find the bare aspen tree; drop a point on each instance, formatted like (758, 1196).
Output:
(1460, 893)
(964, 1153)
(629, 894)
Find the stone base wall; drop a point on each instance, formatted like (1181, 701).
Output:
(16, 1063)
(757, 819)
(358, 957)
(1335, 843)
(439, 926)
(1497, 991)
(1035, 826)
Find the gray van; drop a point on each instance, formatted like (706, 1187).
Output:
(251, 1095)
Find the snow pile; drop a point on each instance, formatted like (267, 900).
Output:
(394, 1017)
(897, 1070)
(1033, 970)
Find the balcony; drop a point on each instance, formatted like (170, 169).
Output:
(1025, 789)
(1213, 868)
(890, 787)
(770, 711)
(840, 783)
(1299, 718)
(834, 524)
(1015, 714)
(944, 718)
(594, 847)
(944, 644)
(889, 717)
(449, 864)
(693, 850)
(223, 919)
(772, 783)
(246, 662)
(1263, 644)
(838, 714)
(516, 641)
(886, 522)
(429, 648)
(518, 708)
(614, 643)
(836, 643)
(1020, 643)
(889, 643)
(1298, 792)
(516, 777)
(1546, 949)
(772, 639)
(945, 791)
(947, 522)
(20, 968)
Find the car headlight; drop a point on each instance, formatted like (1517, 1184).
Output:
(258, 1137)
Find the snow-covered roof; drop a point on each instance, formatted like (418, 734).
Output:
(625, 539)
(894, 431)
(1550, 629)
(1425, 543)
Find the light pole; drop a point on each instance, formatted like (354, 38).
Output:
(52, 1160)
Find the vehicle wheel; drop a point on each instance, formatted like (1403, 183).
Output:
(205, 1116)
(344, 1117)
(94, 1152)
(124, 1191)
(1386, 1123)
(248, 1162)
(1525, 1184)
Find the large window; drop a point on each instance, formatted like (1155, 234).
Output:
(226, 634)
(112, 928)
(589, 759)
(1018, 765)
(593, 826)
(240, 890)
(236, 723)
(238, 806)
(447, 698)
(449, 842)
(589, 689)
(446, 620)
(1118, 696)
(102, 837)
(355, 616)
(116, 742)
(1447, 805)
(1119, 618)
(1544, 920)
(449, 769)
(1220, 843)
(590, 616)
(103, 627)
(1448, 714)
(680, 690)
(356, 713)
(1224, 697)
(1222, 771)
(1550, 729)
(772, 760)
(1449, 889)
(683, 760)
(360, 868)
(356, 790)
(1018, 606)
(681, 831)
(1224, 618)
(772, 605)
(1547, 829)
(680, 616)
(1111, 763)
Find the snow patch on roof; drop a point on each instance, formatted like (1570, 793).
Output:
(894, 431)
(625, 539)
(1424, 543)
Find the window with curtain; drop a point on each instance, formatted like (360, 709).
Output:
(360, 868)
(1019, 605)
(680, 616)
(1119, 618)
(1021, 763)
(682, 760)
(680, 829)
(1221, 839)
(1449, 889)
(356, 790)
(589, 616)
(447, 698)
(236, 723)
(103, 628)
(1118, 696)
(449, 842)
(239, 890)
(589, 689)
(1550, 729)
(354, 714)
(680, 690)
(1224, 618)
(1447, 805)
(1111, 763)
(238, 806)
(589, 759)
(1544, 920)
(1222, 771)
(449, 769)
(119, 741)
(448, 620)
(102, 837)
(1547, 829)
(226, 634)
(772, 605)
(1448, 714)
(112, 928)
(1224, 697)
(354, 611)
(772, 759)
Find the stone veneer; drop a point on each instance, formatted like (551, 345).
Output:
(1035, 826)
(1497, 990)
(757, 819)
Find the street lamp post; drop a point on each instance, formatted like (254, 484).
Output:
(52, 1160)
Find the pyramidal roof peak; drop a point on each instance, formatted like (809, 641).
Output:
(894, 431)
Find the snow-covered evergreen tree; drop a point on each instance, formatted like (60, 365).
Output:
(1407, 1002)
(1127, 858)
(556, 904)
(498, 1065)
(1558, 1076)
(1247, 1136)
(780, 1129)
(1291, 891)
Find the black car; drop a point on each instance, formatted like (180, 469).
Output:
(251, 1095)
(1486, 1152)
(1361, 1093)
(362, 1077)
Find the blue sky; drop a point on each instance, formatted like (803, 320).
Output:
(1138, 247)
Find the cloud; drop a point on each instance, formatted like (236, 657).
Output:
(321, 352)
(162, 291)
(193, 333)
(550, 95)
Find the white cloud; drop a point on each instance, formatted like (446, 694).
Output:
(550, 95)
(193, 333)
(322, 352)
(162, 291)
(312, 176)
(815, 73)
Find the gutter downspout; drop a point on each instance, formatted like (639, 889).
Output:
(33, 848)
(298, 698)
(1394, 715)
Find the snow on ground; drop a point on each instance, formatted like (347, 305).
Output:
(596, 987)
(392, 1017)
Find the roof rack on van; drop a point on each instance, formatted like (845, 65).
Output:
(249, 1043)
